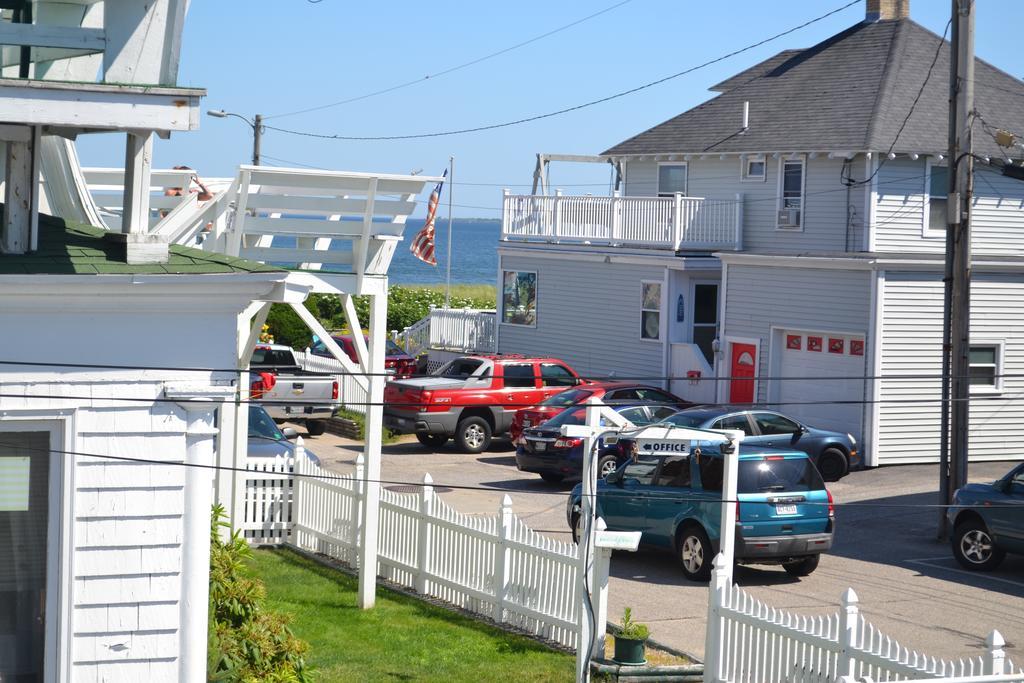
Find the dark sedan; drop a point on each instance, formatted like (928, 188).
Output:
(543, 449)
(988, 521)
(266, 440)
(834, 453)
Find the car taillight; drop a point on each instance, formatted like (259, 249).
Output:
(262, 385)
(425, 396)
(334, 390)
(567, 443)
(831, 504)
(390, 363)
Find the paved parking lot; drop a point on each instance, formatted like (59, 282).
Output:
(908, 583)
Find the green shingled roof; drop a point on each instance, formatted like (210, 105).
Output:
(67, 248)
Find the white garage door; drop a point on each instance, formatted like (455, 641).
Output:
(818, 360)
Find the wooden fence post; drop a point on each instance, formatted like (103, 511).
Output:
(848, 617)
(502, 552)
(995, 658)
(713, 655)
(423, 534)
(360, 490)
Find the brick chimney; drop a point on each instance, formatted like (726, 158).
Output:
(887, 10)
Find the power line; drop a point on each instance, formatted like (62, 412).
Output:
(566, 110)
(451, 69)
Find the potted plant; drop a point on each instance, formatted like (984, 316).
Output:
(630, 640)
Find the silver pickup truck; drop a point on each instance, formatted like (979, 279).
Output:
(297, 395)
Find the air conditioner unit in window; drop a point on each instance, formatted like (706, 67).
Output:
(789, 218)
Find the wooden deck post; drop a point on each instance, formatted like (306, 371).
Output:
(21, 193)
(374, 432)
(138, 160)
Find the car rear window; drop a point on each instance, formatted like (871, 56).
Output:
(686, 420)
(778, 474)
(567, 398)
(272, 357)
(460, 367)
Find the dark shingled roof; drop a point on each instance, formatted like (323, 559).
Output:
(67, 248)
(850, 92)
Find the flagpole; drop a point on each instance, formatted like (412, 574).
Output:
(448, 262)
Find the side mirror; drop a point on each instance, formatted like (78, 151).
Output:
(803, 430)
(1003, 485)
(289, 433)
(614, 478)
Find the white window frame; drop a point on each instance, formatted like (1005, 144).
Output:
(60, 531)
(783, 160)
(926, 210)
(745, 176)
(501, 295)
(657, 181)
(660, 311)
(999, 346)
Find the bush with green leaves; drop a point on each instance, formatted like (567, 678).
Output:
(407, 305)
(247, 642)
(631, 630)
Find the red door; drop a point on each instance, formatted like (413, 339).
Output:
(742, 364)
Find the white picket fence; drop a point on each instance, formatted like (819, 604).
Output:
(353, 396)
(267, 501)
(749, 641)
(490, 565)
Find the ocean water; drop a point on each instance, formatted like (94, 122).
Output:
(474, 253)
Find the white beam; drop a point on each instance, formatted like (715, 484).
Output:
(357, 331)
(374, 434)
(359, 249)
(332, 346)
(45, 35)
(138, 164)
(21, 201)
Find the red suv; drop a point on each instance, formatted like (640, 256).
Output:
(396, 361)
(611, 392)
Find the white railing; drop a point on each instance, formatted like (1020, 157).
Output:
(463, 329)
(267, 501)
(353, 396)
(415, 338)
(749, 641)
(490, 565)
(675, 223)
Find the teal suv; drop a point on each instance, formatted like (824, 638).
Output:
(988, 521)
(784, 512)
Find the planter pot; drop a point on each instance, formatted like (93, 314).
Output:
(629, 652)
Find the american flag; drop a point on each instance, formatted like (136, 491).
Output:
(422, 246)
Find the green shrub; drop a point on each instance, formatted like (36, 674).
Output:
(360, 420)
(632, 630)
(247, 643)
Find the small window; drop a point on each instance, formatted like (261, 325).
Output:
(938, 198)
(637, 416)
(733, 422)
(791, 202)
(519, 298)
(553, 375)
(675, 472)
(520, 376)
(460, 368)
(770, 424)
(711, 473)
(655, 396)
(650, 310)
(984, 360)
(671, 179)
(642, 470)
(753, 168)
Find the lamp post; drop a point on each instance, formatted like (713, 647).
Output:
(257, 129)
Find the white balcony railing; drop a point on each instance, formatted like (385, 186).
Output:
(674, 223)
(462, 329)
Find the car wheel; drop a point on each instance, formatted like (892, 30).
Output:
(431, 440)
(473, 434)
(694, 550)
(606, 466)
(803, 566)
(833, 464)
(316, 427)
(576, 530)
(974, 548)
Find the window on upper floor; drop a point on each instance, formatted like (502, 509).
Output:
(791, 195)
(671, 179)
(753, 169)
(938, 195)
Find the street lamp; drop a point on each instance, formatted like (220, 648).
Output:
(257, 129)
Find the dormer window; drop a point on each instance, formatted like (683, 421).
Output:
(671, 179)
(753, 169)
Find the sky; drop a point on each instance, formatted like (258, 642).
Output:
(273, 58)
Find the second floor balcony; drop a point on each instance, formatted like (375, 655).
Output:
(676, 223)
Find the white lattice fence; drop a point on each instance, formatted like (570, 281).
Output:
(749, 641)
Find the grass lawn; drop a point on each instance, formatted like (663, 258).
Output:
(401, 638)
(462, 291)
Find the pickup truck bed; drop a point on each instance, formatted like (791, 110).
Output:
(297, 395)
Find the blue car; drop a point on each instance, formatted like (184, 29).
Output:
(784, 512)
(988, 521)
(834, 453)
(543, 449)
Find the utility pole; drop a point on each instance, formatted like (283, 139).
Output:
(956, 344)
(257, 133)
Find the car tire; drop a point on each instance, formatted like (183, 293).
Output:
(833, 464)
(974, 548)
(606, 465)
(575, 528)
(552, 478)
(473, 434)
(802, 567)
(695, 553)
(431, 440)
(316, 427)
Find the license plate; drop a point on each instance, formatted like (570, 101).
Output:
(785, 509)
(540, 446)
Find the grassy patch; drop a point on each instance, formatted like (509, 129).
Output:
(401, 638)
(487, 292)
(360, 420)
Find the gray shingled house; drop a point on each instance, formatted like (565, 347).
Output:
(793, 227)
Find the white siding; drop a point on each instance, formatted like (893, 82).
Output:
(588, 314)
(912, 338)
(825, 226)
(998, 211)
